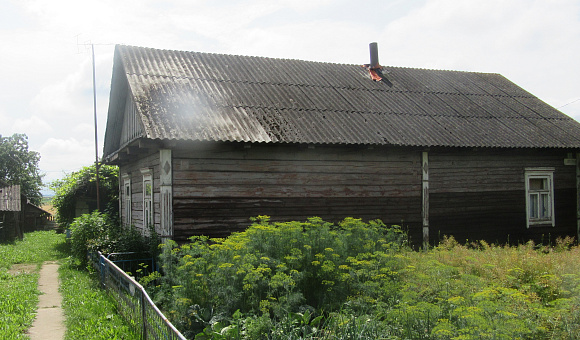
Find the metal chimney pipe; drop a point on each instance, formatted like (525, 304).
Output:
(374, 49)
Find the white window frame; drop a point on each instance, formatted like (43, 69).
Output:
(148, 214)
(549, 218)
(127, 193)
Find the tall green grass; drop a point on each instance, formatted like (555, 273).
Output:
(90, 312)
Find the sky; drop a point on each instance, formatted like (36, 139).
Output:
(46, 74)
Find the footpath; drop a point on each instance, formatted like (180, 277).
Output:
(49, 322)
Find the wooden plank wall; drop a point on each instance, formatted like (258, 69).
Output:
(480, 194)
(10, 198)
(134, 171)
(216, 190)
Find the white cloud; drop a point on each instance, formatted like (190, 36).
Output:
(62, 96)
(47, 88)
(65, 155)
(33, 126)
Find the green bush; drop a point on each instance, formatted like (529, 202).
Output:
(101, 232)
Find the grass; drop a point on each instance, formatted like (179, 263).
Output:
(90, 312)
(18, 300)
(18, 284)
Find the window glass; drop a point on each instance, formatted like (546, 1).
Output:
(127, 204)
(148, 188)
(147, 198)
(538, 183)
(544, 208)
(533, 206)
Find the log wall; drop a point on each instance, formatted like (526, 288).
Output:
(480, 194)
(471, 194)
(216, 190)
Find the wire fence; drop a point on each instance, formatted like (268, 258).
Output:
(133, 302)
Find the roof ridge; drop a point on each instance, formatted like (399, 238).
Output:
(234, 81)
(301, 60)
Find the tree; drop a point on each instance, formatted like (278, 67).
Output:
(82, 185)
(19, 166)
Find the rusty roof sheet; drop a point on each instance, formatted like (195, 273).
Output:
(214, 97)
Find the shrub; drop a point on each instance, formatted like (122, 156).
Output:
(88, 233)
(100, 232)
(82, 184)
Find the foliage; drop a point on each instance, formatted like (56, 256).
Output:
(82, 184)
(281, 269)
(101, 232)
(90, 312)
(19, 166)
(355, 280)
(18, 290)
(487, 291)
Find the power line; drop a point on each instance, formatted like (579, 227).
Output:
(568, 103)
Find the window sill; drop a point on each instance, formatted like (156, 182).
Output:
(540, 224)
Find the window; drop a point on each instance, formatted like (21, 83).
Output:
(127, 200)
(540, 196)
(147, 197)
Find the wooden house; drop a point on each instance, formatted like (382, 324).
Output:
(205, 141)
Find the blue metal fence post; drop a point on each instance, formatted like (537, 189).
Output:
(143, 313)
(102, 268)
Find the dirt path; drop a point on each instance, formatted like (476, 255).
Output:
(49, 322)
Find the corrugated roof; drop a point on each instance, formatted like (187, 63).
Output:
(214, 97)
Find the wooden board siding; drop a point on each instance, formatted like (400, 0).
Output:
(134, 172)
(217, 190)
(10, 199)
(481, 195)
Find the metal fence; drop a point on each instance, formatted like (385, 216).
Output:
(133, 302)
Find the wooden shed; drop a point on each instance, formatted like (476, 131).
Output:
(18, 216)
(205, 141)
(10, 216)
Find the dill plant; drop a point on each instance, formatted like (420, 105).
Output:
(482, 291)
(276, 269)
(356, 280)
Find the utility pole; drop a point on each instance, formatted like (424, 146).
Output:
(96, 131)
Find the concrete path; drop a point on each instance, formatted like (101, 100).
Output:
(49, 322)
